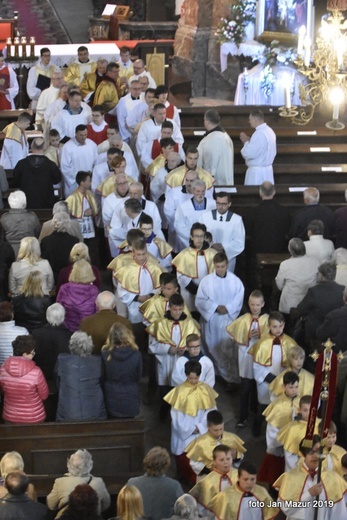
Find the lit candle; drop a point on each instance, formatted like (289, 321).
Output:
(32, 42)
(336, 107)
(16, 47)
(302, 32)
(8, 47)
(287, 96)
(307, 47)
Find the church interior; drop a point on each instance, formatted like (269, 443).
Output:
(287, 59)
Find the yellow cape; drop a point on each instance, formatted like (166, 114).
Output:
(292, 434)
(209, 486)
(240, 328)
(201, 448)
(158, 162)
(176, 177)
(262, 350)
(129, 275)
(12, 131)
(73, 73)
(306, 381)
(336, 453)
(292, 483)
(189, 399)
(281, 411)
(155, 308)
(75, 203)
(186, 262)
(161, 330)
(106, 187)
(226, 504)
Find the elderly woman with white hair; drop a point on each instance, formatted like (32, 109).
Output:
(79, 467)
(52, 339)
(79, 381)
(29, 259)
(18, 222)
(74, 227)
(13, 461)
(186, 507)
(60, 240)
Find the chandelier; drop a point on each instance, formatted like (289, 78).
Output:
(325, 71)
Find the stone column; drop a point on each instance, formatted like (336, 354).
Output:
(197, 50)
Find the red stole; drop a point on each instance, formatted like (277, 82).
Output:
(156, 148)
(4, 85)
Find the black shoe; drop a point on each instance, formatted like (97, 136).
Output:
(241, 424)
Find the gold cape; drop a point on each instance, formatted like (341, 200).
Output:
(201, 448)
(107, 94)
(129, 275)
(155, 308)
(280, 411)
(158, 162)
(262, 350)
(240, 328)
(292, 483)
(336, 454)
(12, 131)
(209, 486)
(125, 72)
(292, 434)
(163, 247)
(88, 84)
(186, 262)
(107, 186)
(73, 73)
(123, 259)
(306, 381)
(226, 505)
(190, 399)
(176, 177)
(75, 203)
(162, 327)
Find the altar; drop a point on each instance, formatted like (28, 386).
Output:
(64, 54)
(250, 92)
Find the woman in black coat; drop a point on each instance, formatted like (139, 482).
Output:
(30, 305)
(122, 367)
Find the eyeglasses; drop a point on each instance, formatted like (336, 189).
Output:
(313, 452)
(198, 236)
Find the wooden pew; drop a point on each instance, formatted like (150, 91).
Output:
(117, 447)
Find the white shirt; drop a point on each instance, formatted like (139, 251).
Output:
(76, 157)
(66, 123)
(186, 215)
(123, 109)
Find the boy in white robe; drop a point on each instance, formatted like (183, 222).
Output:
(190, 403)
(193, 353)
(219, 300)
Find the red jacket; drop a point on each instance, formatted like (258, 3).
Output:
(25, 389)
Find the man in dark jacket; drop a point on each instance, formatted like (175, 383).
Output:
(36, 175)
(324, 297)
(335, 327)
(16, 505)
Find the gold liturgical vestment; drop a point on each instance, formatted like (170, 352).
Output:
(189, 399)
(176, 177)
(201, 448)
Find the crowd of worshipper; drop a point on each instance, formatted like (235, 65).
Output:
(140, 206)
